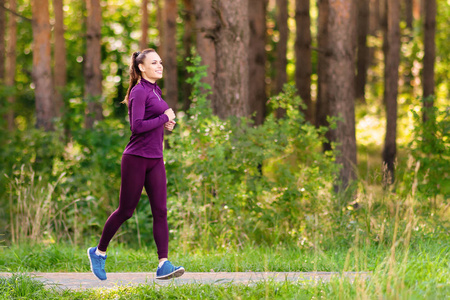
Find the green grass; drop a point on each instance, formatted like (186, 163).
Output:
(23, 287)
(68, 258)
(418, 271)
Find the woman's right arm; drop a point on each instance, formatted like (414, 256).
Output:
(138, 124)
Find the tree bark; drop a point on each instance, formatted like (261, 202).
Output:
(189, 25)
(392, 61)
(303, 64)
(416, 9)
(322, 102)
(10, 70)
(169, 55)
(160, 22)
(60, 69)
(429, 55)
(374, 16)
(281, 47)
(2, 41)
(42, 73)
(363, 50)
(342, 33)
(409, 14)
(206, 26)
(423, 4)
(231, 43)
(257, 59)
(143, 43)
(92, 70)
(382, 14)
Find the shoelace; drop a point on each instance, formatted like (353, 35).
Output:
(102, 262)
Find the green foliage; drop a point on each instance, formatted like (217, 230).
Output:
(72, 179)
(442, 50)
(239, 182)
(428, 166)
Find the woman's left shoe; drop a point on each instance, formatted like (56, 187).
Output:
(97, 263)
(167, 271)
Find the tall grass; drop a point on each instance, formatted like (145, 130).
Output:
(32, 209)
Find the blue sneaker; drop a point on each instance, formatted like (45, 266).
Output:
(167, 271)
(97, 263)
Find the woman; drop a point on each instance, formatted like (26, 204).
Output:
(142, 163)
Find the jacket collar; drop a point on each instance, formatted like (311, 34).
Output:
(152, 86)
(145, 82)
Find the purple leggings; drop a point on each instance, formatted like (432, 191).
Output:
(138, 172)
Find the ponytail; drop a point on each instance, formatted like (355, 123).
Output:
(137, 58)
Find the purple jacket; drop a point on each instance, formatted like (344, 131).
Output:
(146, 111)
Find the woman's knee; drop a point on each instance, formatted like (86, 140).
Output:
(160, 213)
(124, 214)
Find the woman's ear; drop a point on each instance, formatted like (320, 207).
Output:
(141, 67)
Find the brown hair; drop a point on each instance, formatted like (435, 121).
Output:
(137, 58)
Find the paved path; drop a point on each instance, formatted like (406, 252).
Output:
(88, 280)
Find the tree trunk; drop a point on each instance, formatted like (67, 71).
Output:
(189, 25)
(169, 55)
(11, 62)
(160, 22)
(392, 61)
(206, 27)
(374, 16)
(409, 13)
(429, 55)
(60, 69)
(303, 65)
(281, 47)
(342, 33)
(2, 41)
(322, 103)
(42, 73)
(423, 4)
(416, 9)
(143, 43)
(363, 50)
(257, 59)
(92, 70)
(231, 43)
(382, 14)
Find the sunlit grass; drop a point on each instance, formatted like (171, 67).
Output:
(421, 277)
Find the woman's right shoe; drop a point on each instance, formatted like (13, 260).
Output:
(97, 263)
(167, 271)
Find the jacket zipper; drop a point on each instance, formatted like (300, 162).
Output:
(156, 95)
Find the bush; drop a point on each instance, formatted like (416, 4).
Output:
(429, 153)
(230, 181)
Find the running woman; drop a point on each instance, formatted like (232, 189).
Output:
(142, 163)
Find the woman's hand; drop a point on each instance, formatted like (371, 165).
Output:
(169, 125)
(169, 112)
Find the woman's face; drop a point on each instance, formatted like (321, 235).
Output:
(152, 68)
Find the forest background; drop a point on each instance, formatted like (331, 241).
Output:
(300, 123)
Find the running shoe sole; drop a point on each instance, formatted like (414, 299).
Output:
(90, 262)
(174, 274)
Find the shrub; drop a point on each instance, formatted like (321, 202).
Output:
(233, 182)
(429, 153)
